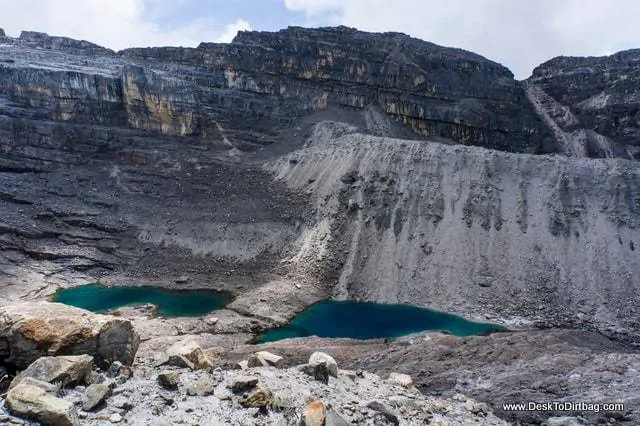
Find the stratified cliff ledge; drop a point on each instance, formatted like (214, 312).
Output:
(310, 163)
(262, 82)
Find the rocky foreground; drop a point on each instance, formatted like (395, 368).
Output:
(181, 385)
(59, 374)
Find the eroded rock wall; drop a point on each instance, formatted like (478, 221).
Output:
(594, 99)
(473, 230)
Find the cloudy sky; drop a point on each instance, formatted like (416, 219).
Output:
(517, 33)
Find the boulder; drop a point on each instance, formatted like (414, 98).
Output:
(2, 33)
(202, 386)
(314, 414)
(403, 380)
(243, 383)
(31, 330)
(62, 370)
(265, 359)
(320, 357)
(36, 400)
(169, 379)
(186, 354)
(95, 395)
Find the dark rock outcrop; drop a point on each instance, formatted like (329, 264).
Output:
(45, 41)
(595, 99)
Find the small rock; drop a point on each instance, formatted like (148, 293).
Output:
(121, 379)
(224, 395)
(265, 359)
(186, 354)
(321, 372)
(121, 402)
(259, 397)
(182, 280)
(169, 379)
(314, 414)
(306, 369)
(94, 395)
(167, 398)
(385, 410)
(320, 357)
(115, 418)
(243, 383)
(211, 321)
(349, 177)
(201, 387)
(95, 377)
(348, 373)
(117, 369)
(478, 408)
(400, 379)
(241, 365)
(460, 397)
(175, 361)
(399, 401)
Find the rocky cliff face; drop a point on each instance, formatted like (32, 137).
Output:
(262, 82)
(592, 104)
(319, 158)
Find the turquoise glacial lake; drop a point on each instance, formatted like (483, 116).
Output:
(170, 303)
(362, 320)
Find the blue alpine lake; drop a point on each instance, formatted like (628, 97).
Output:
(363, 320)
(170, 303)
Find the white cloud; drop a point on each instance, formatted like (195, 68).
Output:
(117, 24)
(232, 29)
(518, 33)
